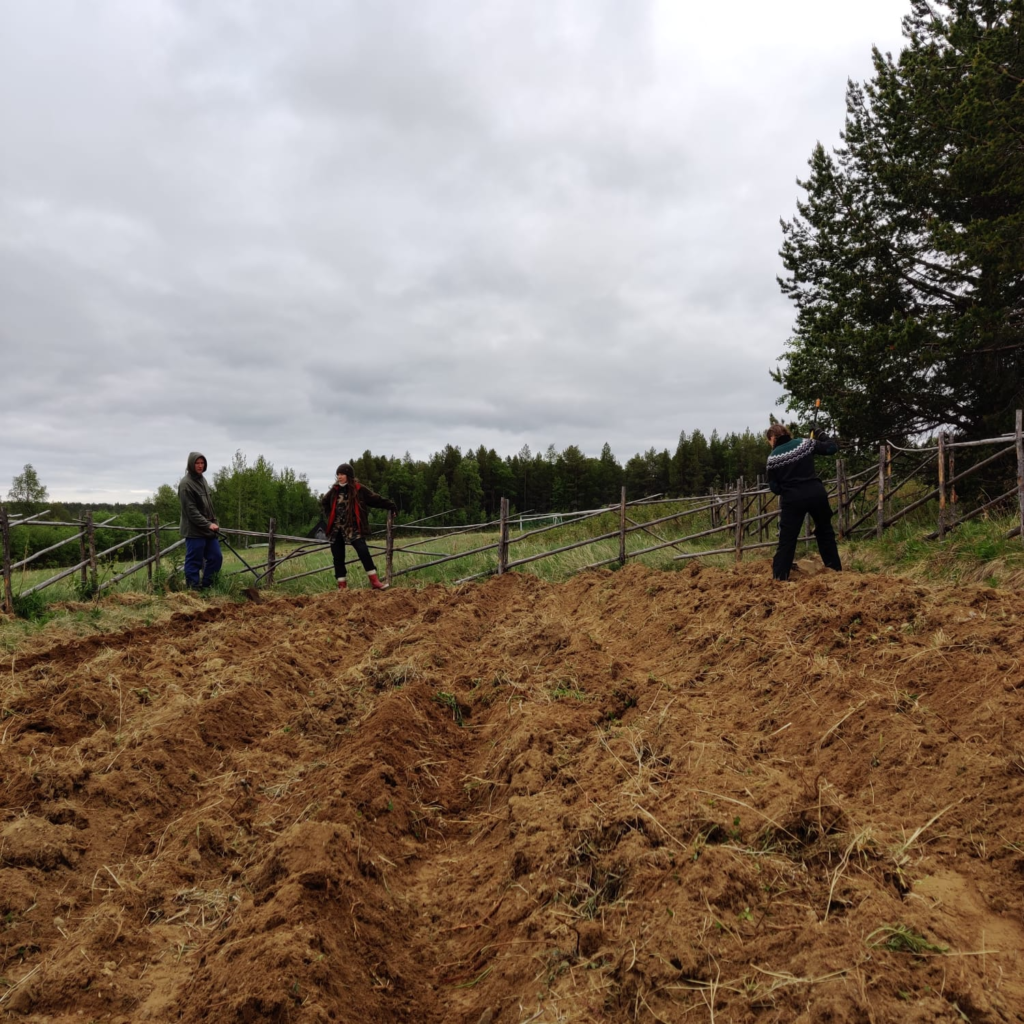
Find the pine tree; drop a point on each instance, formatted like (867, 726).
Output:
(441, 501)
(906, 258)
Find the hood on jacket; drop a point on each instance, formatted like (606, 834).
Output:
(192, 456)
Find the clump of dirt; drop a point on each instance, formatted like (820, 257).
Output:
(633, 796)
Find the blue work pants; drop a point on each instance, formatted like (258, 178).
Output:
(202, 555)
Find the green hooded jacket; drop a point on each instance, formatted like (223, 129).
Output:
(196, 504)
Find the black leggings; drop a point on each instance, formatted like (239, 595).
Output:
(794, 507)
(338, 550)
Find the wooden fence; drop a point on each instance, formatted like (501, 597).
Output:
(867, 502)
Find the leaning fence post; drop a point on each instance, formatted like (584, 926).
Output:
(881, 492)
(5, 530)
(503, 537)
(942, 485)
(90, 529)
(389, 548)
(739, 519)
(271, 551)
(622, 527)
(1020, 472)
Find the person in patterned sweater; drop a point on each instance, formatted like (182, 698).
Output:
(792, 477)
(346, 509)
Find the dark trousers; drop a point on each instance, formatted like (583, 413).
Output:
(202, 554)
(338, 550)
(813, 502)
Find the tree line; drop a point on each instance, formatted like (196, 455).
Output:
(464, 488)
(469, 486)
(455, 487)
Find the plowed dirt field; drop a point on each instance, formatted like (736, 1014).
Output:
(633, 796)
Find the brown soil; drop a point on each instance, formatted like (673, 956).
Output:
(634, 796)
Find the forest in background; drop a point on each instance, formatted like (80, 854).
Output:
(458, 489)
(464, 488)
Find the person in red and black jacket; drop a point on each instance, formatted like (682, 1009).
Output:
(791, 475)
(346, 511)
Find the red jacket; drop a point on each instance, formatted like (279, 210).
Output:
(357, 516)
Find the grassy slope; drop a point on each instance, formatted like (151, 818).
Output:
(977, 552)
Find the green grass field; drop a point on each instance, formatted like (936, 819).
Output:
(412, 551)
(975, 552)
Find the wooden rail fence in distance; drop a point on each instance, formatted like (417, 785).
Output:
(739, 512)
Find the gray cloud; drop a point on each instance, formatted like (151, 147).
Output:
(310, 229)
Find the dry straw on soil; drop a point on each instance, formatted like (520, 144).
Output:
(633, 796)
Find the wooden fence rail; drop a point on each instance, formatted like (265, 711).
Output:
(740, 513)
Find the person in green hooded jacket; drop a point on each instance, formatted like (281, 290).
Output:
(198, 525)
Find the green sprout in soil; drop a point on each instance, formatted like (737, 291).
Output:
(450, 701)
(898, 938)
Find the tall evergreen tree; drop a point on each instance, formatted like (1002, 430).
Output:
(442, 500)
(569, 488)
(609, 476)
(906, 258)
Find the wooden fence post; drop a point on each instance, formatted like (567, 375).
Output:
(942, 485)
(90, 529)
(881, 492)
(1020, 472)
(83, 556)
(850, 500)
(888, 474)
(951, 475)
(5, 530)
(622, 528)
(149, 551)
(503, 537)
(271, 551)
(389, 548)
(847, 512)
(839, 497)
(156, 539)
(760, 509)
(739, 520)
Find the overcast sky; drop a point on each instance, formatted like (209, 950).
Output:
(312, 228)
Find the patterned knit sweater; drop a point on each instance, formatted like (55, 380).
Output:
(791, 465)
(346, 509)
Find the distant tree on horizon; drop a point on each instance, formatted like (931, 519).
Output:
(27, 491)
